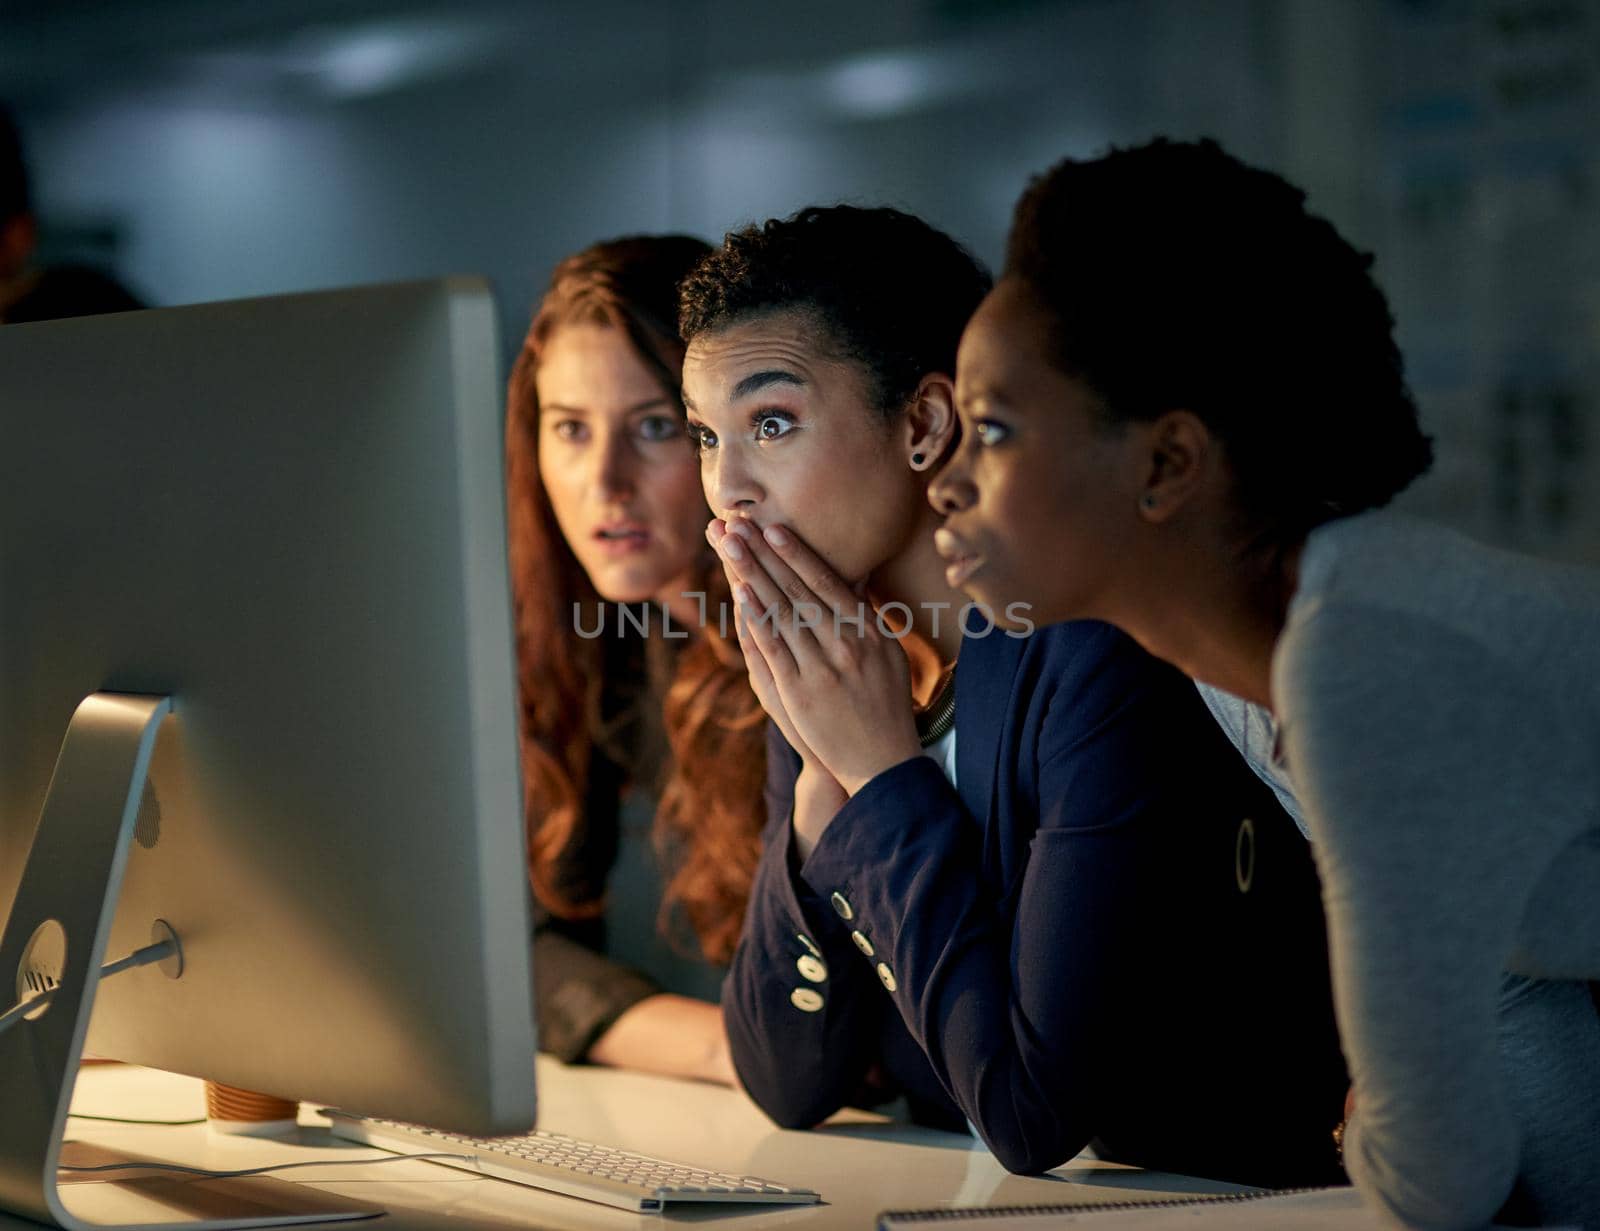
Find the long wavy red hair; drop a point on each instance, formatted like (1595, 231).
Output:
(694, 693)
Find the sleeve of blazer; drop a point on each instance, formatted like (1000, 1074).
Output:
(579, 992)
(802, 1040)
(1014, 1001)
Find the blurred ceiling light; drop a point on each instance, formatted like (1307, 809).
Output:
(356, 61)
(882, 83)
(885, 83)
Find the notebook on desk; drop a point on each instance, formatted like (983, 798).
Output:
(1308, 1209)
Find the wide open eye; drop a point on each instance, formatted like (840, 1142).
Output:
(771, 425)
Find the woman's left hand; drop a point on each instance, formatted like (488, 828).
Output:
(845, 685)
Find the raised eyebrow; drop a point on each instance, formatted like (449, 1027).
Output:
(758, 381)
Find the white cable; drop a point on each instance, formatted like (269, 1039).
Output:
(230, 1175)
(147, 956)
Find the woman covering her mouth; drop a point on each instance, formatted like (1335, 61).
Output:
(641, 742)
(1019, 879)
(1183, 410)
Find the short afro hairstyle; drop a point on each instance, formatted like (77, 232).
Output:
(884, 288)
(1174, 276)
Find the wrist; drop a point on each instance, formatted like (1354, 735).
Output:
(817, 798)
(719, 1064)
(854, 780)
(817, 785)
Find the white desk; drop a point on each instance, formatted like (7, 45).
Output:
(860, 1163)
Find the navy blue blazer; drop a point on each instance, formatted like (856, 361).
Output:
(1108, 931)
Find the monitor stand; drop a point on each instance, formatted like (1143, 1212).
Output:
(56, 937)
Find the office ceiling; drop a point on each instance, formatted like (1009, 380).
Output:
(57, 53)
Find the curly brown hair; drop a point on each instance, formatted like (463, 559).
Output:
(887, 290)
(619, 695)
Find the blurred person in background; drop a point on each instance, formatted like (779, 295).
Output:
(29, 292)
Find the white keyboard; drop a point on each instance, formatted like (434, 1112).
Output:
(571, 1167)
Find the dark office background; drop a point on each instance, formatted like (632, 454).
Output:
(210, 149)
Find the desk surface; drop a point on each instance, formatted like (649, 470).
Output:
(860, 1163)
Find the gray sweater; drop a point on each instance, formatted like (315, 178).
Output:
(1439, 709)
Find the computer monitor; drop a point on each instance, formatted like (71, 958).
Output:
(287, 516)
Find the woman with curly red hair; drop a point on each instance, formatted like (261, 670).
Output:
(632, 701)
